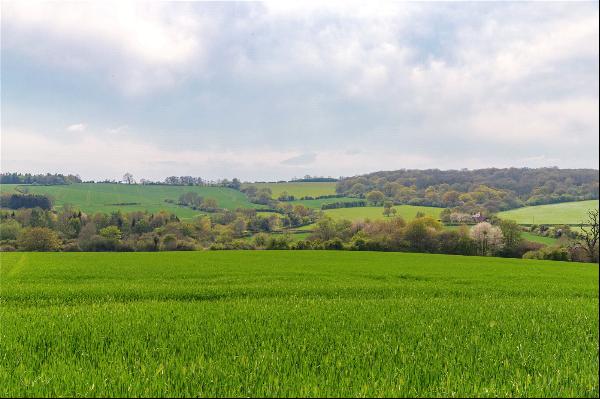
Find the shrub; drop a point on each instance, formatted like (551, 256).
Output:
(334, 244)
(39, 239)
(7, 248)
(278, 242)
(549, 253)
(169, 242)
(71, 246)
(10, 229)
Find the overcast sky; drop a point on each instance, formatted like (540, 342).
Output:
(274, 90)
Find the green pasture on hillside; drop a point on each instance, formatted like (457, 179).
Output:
(318, 203)
(296, 323)
(563, 213)
(297, 189)
(408, 212)
(101, 197)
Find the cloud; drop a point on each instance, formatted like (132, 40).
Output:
(302, 159)
(278, 88)
(139, 46)
(77, 127)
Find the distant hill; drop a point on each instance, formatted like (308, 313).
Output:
(109, 197)
(490, 190)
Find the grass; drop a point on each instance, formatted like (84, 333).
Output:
(317, 203)
(539, 239)
(408, 212)
(296, 323)
(299, 189)
(91, 197)
(563, 213)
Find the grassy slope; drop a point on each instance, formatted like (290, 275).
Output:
(564, 213)
(300, 189)
(408, 212)
(317, 203)
(99, 197)
(296, 323)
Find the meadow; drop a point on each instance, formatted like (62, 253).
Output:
(563, 213)
(301, 323)
(407, 212)
(107, 197)
(297, 189)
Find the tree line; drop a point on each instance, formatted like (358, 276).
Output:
(483, 190)
(36, 229)
(45, 179)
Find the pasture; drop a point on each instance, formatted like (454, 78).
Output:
(318, 203)
(407, 212)
(563, 213)
(296, 323)
(102, 197)
(297, 189)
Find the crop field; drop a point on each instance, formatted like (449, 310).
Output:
(299, 189)
(563, 213)
(408, 212)
(296, 323)
(110, 197)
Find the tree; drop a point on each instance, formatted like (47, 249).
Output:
(388, 209)
(111, 232)
(589, 230)
(488, 238)
(375, 197)
(511, 236)
(39, 239)
(128, 178)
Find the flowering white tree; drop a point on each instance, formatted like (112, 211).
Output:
(488, 238)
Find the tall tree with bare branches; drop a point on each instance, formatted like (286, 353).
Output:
(590, 230)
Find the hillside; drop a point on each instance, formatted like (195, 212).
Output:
(104, 197)
(489, 190)
(297, 189)
(564, 213)
(407, 212)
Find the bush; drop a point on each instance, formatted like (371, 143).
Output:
(278, 242)
(549, 253)
(7, 248)
(72, 246)
(335, 244)
(10, 229)
(169, 242)
(39, 239)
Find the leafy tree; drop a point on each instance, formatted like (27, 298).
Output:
(375, 197)
(111, 232)
(39, 239)
(511, 236)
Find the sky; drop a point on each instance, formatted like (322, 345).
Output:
(269, 91)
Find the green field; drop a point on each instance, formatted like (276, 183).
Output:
(299, 189)
(318, 203)
(296, 323)
(564, 213)
(97, 197)
(539, 239)
(408, 212)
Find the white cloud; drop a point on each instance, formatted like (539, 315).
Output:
(141, 46)
(77, 127)
(407, 83)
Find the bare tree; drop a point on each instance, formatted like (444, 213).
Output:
(128, 178)
(589, 229)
